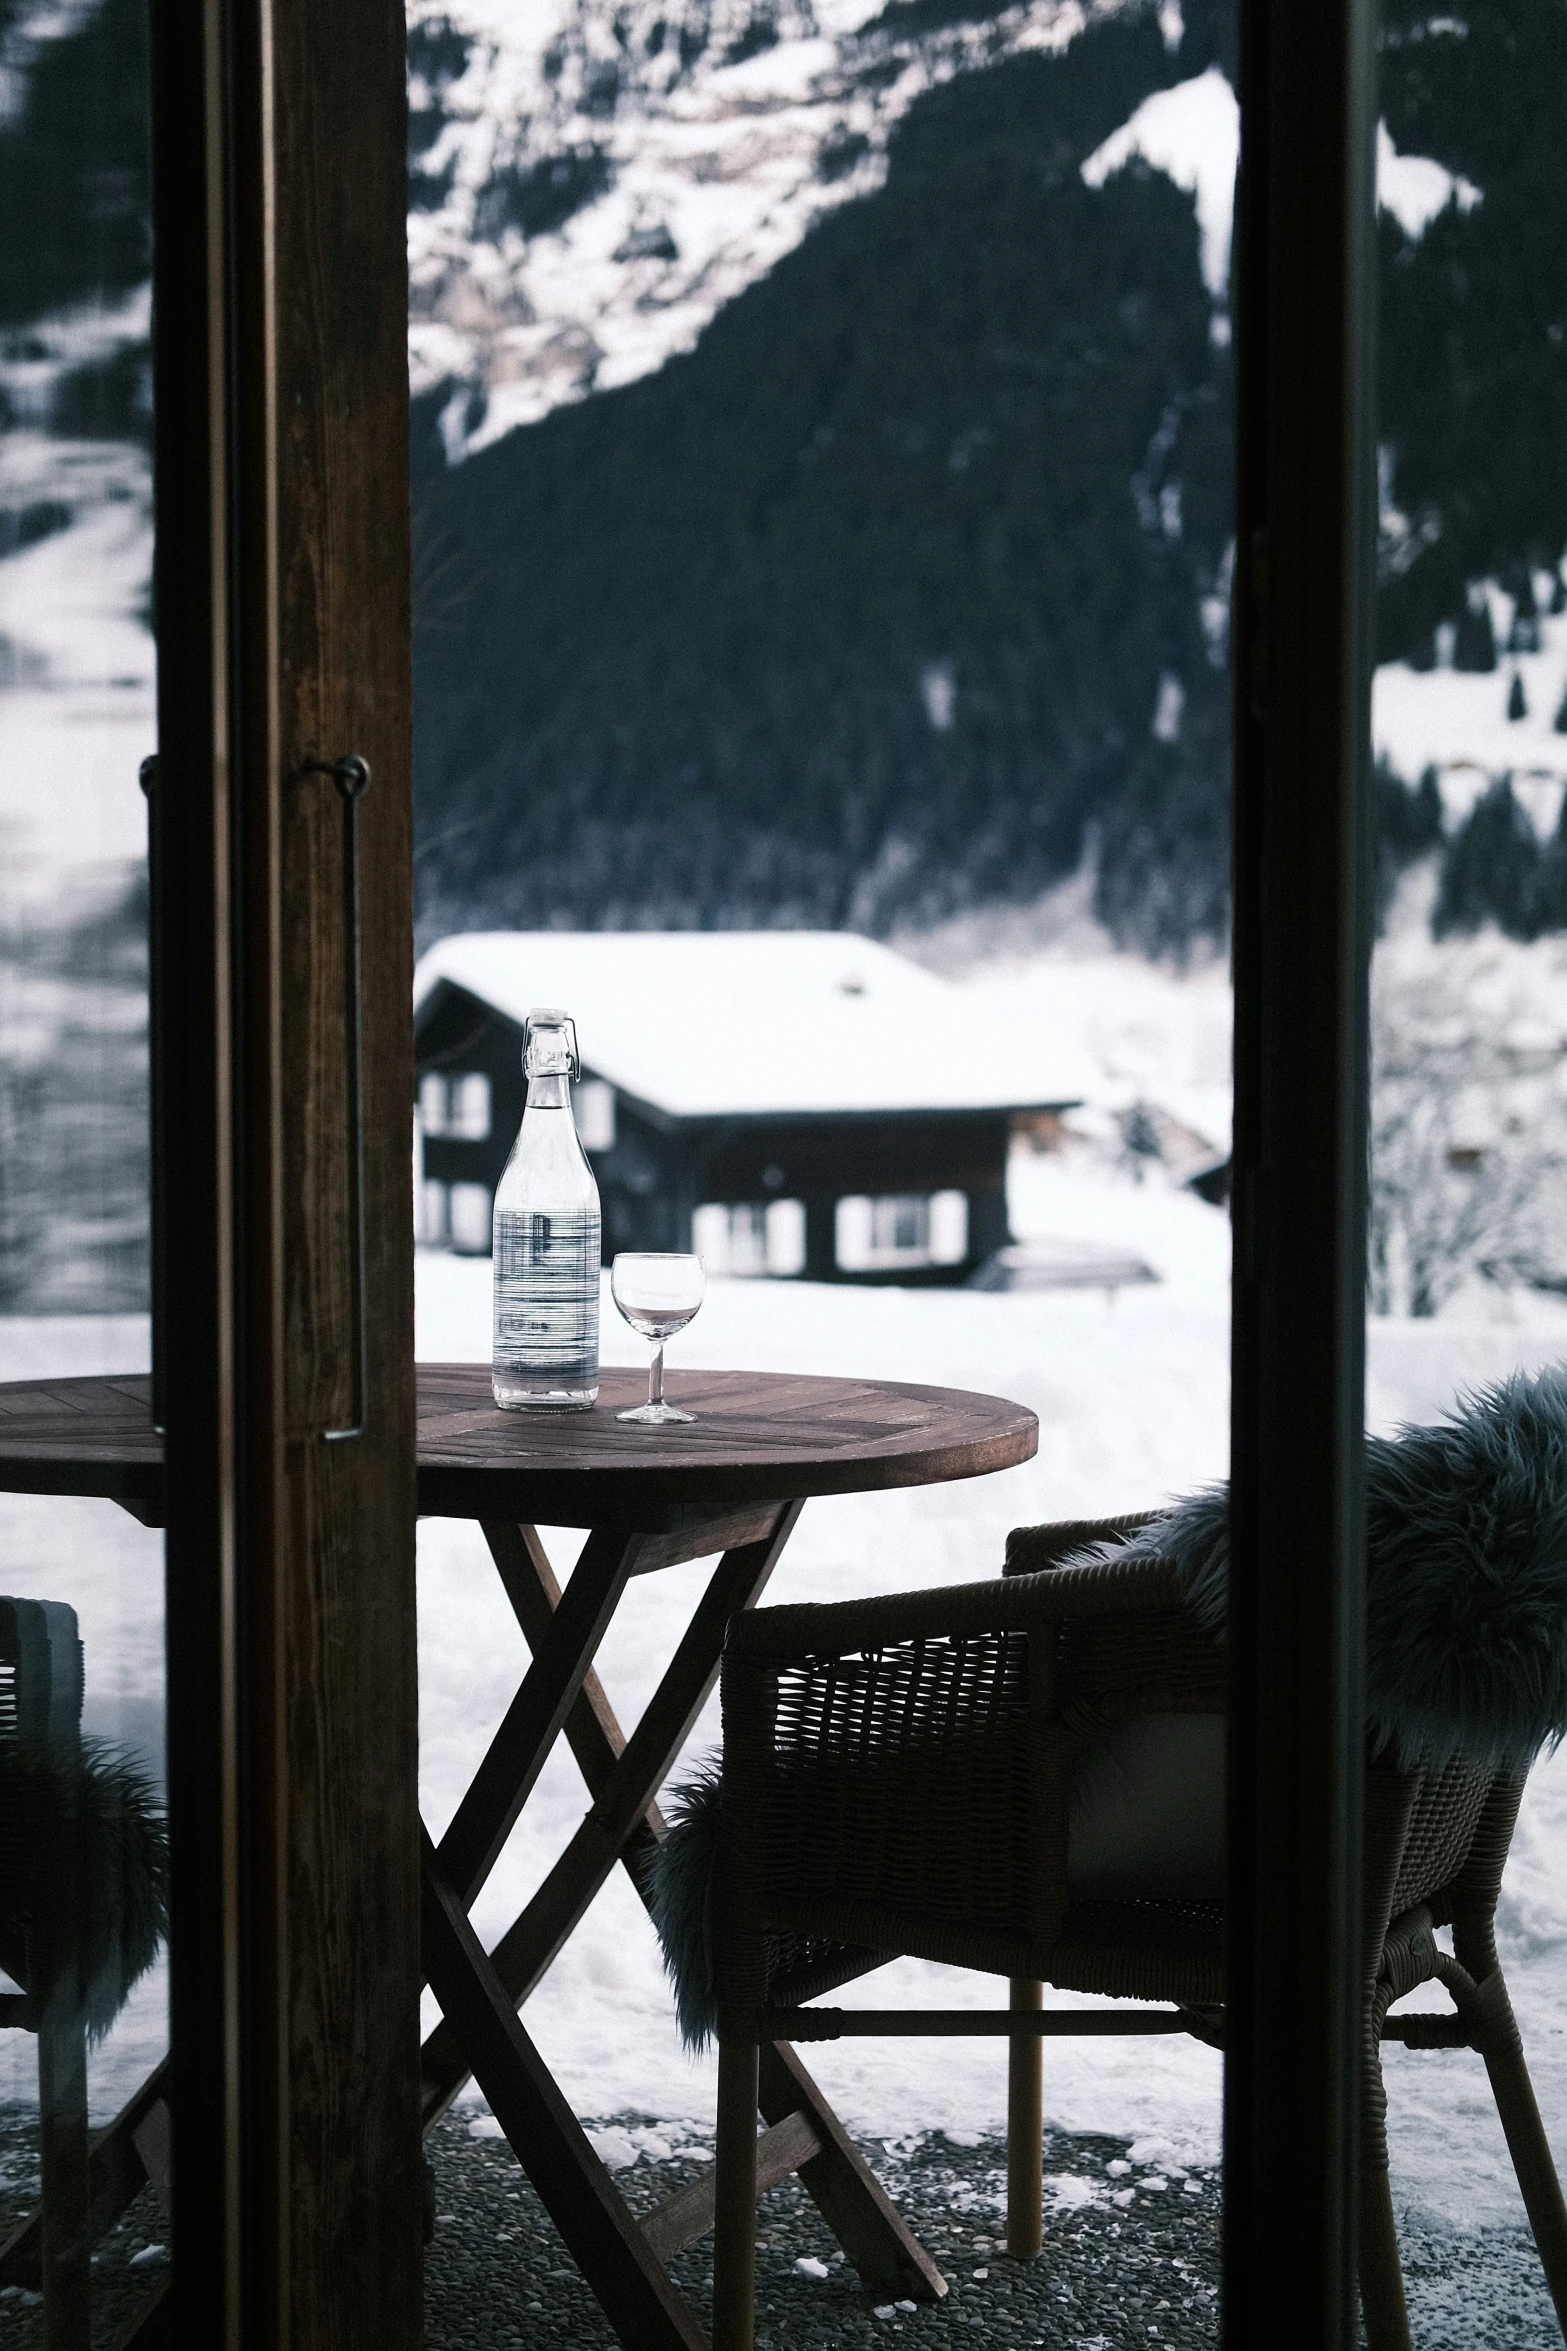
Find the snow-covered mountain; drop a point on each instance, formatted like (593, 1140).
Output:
(592, 180)
(597, 184)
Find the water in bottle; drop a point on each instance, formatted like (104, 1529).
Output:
(547, 1241)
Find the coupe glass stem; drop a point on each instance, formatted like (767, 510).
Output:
(655, 1375)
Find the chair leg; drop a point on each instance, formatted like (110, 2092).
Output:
(734, 2233)
(65, 2198)
(1381, 2274)
(1381, 2277)
(1526, 2140)
(1025, 2130)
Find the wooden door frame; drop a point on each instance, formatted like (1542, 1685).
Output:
(281, 598)
(1302, 605)
(277, 168)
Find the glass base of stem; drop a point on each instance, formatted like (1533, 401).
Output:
(654, 1415)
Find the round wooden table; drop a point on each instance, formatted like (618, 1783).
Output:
(759, 1436)
(733, 1483)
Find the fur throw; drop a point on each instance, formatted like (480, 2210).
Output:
(84, 1874)
(1466, 1576)
(679, 1885)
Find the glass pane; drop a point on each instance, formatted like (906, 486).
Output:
(81, 1617)
(1469, 1030)
(822, 463)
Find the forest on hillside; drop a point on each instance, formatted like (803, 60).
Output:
(906, 588)
(869, 607)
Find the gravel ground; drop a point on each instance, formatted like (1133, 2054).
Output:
(1131, 2254)
(1140, 2270)
(128, 2264)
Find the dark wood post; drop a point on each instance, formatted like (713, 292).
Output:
(284, 1044)
(1302, 609)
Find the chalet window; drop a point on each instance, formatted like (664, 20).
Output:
(432, 1210)
(593, 1106)
(900, 1230)
(454, 1216)
(455, 1108)
(751, 1237)
(469, 1219)
(468, 1113)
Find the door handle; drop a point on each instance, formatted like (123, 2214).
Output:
(352, 778)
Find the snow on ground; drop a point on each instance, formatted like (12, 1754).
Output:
(1149, 1033)
(1132, 1397)
(1456, 721)
(76, 657)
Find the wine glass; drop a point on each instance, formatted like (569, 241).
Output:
(658, 1292)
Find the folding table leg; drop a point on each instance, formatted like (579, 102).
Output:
(885, 2251)
(116, 2173)
(504, 1780)
(623, 1776)
(635, 2294)
(846, 2192)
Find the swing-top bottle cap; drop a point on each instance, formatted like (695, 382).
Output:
(549, 1044)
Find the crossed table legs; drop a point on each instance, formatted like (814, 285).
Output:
(621, 2259)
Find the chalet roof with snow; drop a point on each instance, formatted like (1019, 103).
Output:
(704, 1024)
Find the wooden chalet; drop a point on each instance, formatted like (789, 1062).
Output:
(784, 1102)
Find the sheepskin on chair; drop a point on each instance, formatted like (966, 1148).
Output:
(1466, 1624)
(678, 1881)
(1466, 1577)
(86, 1877)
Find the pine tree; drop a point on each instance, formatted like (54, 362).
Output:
(1474, 644)
(1492, 870)
(1524, 635)
(1409, 822)
(1517, 705)
(1428, 807)
(1551, 879)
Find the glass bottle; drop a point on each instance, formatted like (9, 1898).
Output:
(547, 1240)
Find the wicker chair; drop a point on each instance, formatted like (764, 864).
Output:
(898, 1777)
(41, 1703)
(83, 1907)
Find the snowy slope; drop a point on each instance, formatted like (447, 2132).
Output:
(706, 140)
(1456, 720)
(1192, 132)
(76, 655)
(689, 148)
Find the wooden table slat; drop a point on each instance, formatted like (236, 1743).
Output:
(758, 1437)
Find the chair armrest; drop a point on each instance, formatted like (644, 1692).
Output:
(1012, 1603)
(1030, 1549)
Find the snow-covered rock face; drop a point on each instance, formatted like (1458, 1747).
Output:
(593, 179)
(1193, 132)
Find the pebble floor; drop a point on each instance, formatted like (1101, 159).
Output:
(1131, 2258)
